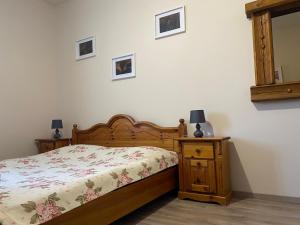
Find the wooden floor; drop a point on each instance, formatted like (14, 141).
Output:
(169, 210)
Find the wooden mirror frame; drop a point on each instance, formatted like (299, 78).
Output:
(261, 12)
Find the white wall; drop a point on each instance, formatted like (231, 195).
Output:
(27, 75)
(209, 67)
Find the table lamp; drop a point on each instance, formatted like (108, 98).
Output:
(57, 124)
(197, 116)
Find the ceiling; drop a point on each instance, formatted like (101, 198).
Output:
(55, 1)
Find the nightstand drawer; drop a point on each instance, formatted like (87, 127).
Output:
(200, 188)
(200, 175)
(198, 150)
(46, 147)
(62, 143)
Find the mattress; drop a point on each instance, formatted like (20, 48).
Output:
(36, 189)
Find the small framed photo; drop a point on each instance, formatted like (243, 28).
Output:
(85, 48)
(278, 75)
(123, 67)
(170, 22)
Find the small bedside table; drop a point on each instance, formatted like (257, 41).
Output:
(46, 145)
(204, 169)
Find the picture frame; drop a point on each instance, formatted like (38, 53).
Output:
(278, 75)
(85, 48)
(170, 22)
(123, 67)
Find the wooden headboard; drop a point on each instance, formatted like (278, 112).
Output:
(124, 131)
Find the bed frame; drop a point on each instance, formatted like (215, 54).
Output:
(123, 130)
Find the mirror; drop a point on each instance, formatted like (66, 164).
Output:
(286, 44)
(276, 35)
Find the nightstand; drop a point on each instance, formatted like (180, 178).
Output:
(204, 169)
(46, 145)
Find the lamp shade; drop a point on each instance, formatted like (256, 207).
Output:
(197, 116)
(57, 124)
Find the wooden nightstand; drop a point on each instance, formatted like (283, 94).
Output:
(46, 145)
(204, 169)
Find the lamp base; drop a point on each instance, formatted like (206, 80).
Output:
(57, 134)
(198, 133)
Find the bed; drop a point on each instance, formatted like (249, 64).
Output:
(121, 133)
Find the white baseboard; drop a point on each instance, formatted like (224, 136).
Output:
(243, 195)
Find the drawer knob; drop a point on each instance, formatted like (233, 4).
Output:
(289, 90)
(199, 164)
(198, 150)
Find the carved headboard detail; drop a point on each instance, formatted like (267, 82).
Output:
(123, 131)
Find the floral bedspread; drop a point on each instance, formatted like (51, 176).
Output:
(36, 189)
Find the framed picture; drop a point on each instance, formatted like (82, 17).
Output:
(170, 22)
(278, 75)
(85, 48)
(123, 67)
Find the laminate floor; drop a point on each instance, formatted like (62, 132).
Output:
(169, 210)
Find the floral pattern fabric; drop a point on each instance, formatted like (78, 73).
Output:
(36, 189)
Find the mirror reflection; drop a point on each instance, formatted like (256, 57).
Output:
(286, 41)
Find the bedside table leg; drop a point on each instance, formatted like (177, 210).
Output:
(222, 200)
